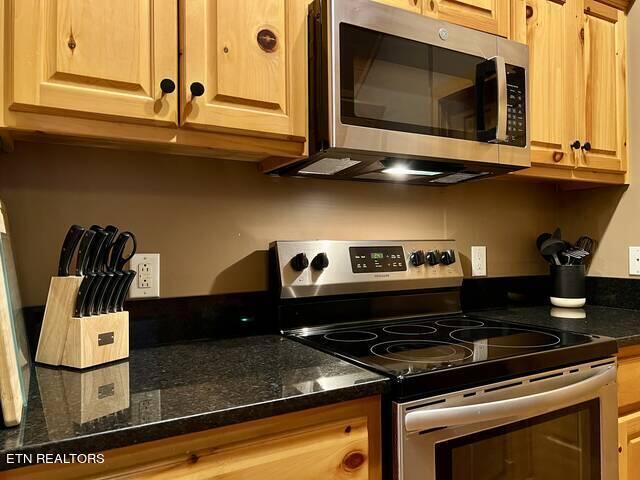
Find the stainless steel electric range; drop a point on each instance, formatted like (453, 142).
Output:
(471, 398)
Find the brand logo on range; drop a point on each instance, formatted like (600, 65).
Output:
(382, 276)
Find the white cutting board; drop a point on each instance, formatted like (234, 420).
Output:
(14, 355)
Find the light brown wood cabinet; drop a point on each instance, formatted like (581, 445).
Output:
(629, 410)
(340, 441)
(578, 89)
(250, 57)
(94, 59)
(490, 16)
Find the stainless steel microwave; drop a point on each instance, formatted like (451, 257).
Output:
(396, 96)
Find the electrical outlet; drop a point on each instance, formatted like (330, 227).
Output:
(147, 281)
(634, 260)
(479, 261)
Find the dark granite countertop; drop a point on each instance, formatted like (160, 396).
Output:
(618, 323)
(171, 390)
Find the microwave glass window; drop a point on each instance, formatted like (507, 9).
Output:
(392, 83)
(562, 445)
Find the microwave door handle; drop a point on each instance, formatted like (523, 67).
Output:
(501, 76)
(421, 420)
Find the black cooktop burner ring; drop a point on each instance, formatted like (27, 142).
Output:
(459, 323)
(393, 329)
(455, 347)
(365, 336)
(512, 329)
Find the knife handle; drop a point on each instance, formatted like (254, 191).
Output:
(98, 304)
(131, 274)
(97, 249)
(91, 294)
(69, 246)
(103, 262)
(83, 252)
(111, 295)
(83, 294)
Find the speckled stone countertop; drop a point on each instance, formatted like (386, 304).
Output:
(171, 390)
(618, 323)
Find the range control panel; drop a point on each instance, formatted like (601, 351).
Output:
(377, 259)
(331, 267)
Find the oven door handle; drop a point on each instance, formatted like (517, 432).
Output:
(420, 420)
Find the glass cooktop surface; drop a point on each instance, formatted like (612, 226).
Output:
(407, 347)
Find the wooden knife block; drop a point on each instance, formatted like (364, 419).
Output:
(79, 342)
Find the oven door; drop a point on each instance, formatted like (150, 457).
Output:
(404, 84)
(555, 425)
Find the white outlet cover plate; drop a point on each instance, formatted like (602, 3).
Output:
(479, 261)
(136, 263)
(634, 260)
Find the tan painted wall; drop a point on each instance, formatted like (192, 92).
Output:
(212, 220)
(612, 215)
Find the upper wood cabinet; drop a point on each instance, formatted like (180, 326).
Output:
(250, 57)
(578, 90)
(553, 65)
(603, 36)
(487, 15)
(411, 5)
(94, 58)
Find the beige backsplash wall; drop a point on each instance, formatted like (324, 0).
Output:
(612, 215)
(212, 220)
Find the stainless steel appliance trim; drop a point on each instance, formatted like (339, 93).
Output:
(501, 70)
(415, 449)
(394, 21)
(338, 278)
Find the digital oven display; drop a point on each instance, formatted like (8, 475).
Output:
(377, 259)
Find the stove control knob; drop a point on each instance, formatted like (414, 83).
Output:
(448, 257)
(320, 261)
(433, 257)
(417, 258)
(299, 262)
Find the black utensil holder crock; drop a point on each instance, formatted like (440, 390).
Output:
(568, 281)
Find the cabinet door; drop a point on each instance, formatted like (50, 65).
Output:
(629, 447)
(411, 5)
(552, 40)
(603, 36)
(94, 58)
(250, 57)
(487, 15)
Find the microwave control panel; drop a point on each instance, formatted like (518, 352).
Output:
(516, 106)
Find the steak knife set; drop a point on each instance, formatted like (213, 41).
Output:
(100, 261)
(85, 323)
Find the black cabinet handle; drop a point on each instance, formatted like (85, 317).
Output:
(197, 89)
(167, 86)
(586, 147)
(575, 145)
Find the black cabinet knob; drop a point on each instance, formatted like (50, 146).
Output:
(417, 258)
(448, 257)
(320, 261)
(432, 257)
(299, 262)
(167, 86)
(586, 147)
(575, 145)
(197, 89)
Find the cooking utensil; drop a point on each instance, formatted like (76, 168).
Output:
(69, 245)
(129, 276)
(552, 247)
(539, 241)
(118, 260)
(557, 234)
(85, 295)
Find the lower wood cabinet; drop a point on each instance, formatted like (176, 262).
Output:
(629, 408)
(629, 446)
(335, 442)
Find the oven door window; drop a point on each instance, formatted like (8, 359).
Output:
(563, 445)
(392, 83)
